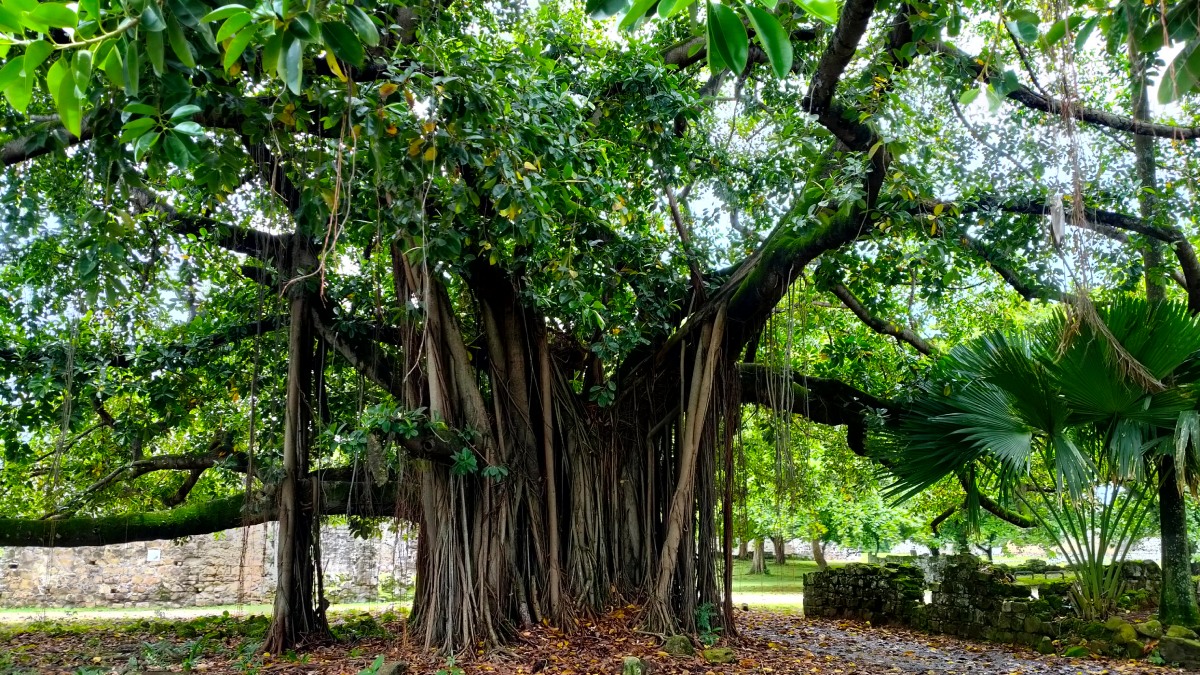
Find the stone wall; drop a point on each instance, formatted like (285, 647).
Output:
(878, 593)
(973, 600)
(231, 567)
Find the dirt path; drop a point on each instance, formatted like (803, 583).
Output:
(867, 649)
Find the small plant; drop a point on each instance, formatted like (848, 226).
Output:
(374, 667)
(705, 616)
(450, 668)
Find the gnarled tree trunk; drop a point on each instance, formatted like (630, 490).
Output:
(818, 551)
(759, 564)
(779, 548)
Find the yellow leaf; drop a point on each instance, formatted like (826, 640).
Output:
(937, 210)
(334, 65)
(288, 115)
(429, 126)
(414, 148)
(933, 229)
(388, 89)
(392, 130)
(408, 97)
(430, 154)
(530, 167)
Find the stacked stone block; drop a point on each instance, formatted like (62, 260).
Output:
(877, 593)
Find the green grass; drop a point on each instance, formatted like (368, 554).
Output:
(780, 579)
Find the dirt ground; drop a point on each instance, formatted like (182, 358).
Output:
(768, 643)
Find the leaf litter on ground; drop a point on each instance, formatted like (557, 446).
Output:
(767, 642)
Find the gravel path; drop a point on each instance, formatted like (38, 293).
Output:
(869, 650)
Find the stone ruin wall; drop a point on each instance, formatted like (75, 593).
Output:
(227, 568)
(968, 599)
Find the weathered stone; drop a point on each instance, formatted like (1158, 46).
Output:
(719, 655)
(679, 645)
(632, 665)
(1152, 629)
(1076, 651)
(1180, 632)
(1183, 651)
(392, 668)
(1123, 631)
(1045, 645)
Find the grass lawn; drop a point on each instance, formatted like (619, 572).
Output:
(781, 579)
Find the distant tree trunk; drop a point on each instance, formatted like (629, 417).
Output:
(818, 550)
(759, 566)
(779, 545)
(299, 613)
(1177, 602)
(743, 550)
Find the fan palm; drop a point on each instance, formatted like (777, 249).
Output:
(1063, 419)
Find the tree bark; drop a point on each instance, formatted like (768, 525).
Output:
(1177, 602)
(759, 564)
(818, 551)
(299, 613)
(743, 552)
(780, 550)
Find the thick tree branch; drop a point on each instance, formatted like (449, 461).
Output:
(361, 498)
(821, 400)
(902, 334)
(1032, 99)
(852, 23)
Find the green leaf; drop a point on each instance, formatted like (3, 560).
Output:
(20, 93)
(730, 37)
(362, 24)
(669, 8)
(1085, 32)
(135, 128)
(83, 68)
(773, 38)
(1181, 76)
(825, 10)
(11, 71)
(602, 9)
(1024, 24)
(232, 25)
(143, 145)
(154, 51)
(293, 55)
(132, 69)
(769, 4)
(305, 27)
(968, 97)
(137, 108)
(152, 19)
(994, 100)
(36, 54)
(177, 151)
(238, 45)
(223, 12)
(91, 8)
(636, 13)
(10, 21)
(114, 67)
(185, 111)
(54, 14)
(716, 63)
(1058, 30)
(342, 41)
(189, 12)
(60, 80)
(179, 44)
(190, 128)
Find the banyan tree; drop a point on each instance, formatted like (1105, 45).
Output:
(499, 271)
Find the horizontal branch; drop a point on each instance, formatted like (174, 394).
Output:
(902, 334)
(360, 498)
(822, 400)
(1036, 101)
